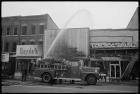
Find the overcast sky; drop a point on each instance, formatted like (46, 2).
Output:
(104, 14)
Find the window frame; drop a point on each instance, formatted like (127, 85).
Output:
(16, 30)
(14, 46)
(8, 29)
(40, 28)
(7, 44)
(22, 30)
(33, 28)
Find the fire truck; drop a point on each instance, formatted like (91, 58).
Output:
(73, 70)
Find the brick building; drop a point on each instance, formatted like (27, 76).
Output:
(23, 30)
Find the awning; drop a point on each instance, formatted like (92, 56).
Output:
(111, 58)
(27, 57)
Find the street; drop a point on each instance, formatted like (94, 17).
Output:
(28, 87)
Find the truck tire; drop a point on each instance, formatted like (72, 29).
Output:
(46, 77)
(91, 80)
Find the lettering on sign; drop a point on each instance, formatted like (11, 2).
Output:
(5, 57)
(113, 44)
(29, 50)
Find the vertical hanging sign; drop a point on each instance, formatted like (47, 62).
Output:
(5, 57)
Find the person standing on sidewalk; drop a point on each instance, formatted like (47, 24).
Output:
(24, 71)
(31, 68)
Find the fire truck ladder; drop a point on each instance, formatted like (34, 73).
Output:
(129, 67)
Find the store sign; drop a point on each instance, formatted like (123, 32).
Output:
(5, 57)
(113, 44)
(29, 50)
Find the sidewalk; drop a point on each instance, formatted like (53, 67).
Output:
(7, 82)
(131, 82)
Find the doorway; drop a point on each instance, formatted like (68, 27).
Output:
(115, 71)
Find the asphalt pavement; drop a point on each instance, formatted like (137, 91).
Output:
(37, 81)
(69, 89)
(36, 85)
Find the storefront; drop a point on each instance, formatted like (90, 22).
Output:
(113, 57)
(112, 67)
(5, 63)
(26, 55)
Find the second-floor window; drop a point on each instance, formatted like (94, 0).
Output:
(14, 47)
(41, 29)
(24, 30)
(3, 30)
(6, 48)
(15, 30)
(8, 31)
(33, 29)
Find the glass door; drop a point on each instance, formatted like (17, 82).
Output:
(114, 71)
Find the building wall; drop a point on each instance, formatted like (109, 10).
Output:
(78, 38)
(28, 21)
(114, 35)
(48, 39)
(133, 24)
(23, 23)
(51, 24)
(70, 39)
(10, 23)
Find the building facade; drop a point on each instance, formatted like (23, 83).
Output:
(23, 30)
(113, 49)
(29, 38)
(69, 43)
(116, 51)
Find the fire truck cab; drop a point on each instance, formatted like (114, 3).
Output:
(75, 70)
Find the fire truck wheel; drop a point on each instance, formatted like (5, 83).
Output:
(46, 77)
(91, 80)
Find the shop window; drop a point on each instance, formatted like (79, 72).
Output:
(6, 47)
(131, 52)
(8, 31)
(14, 47)
(110, 52)
(41, 29)
(24, 30)
(99, 53)
(33, 29)
(15, 30)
